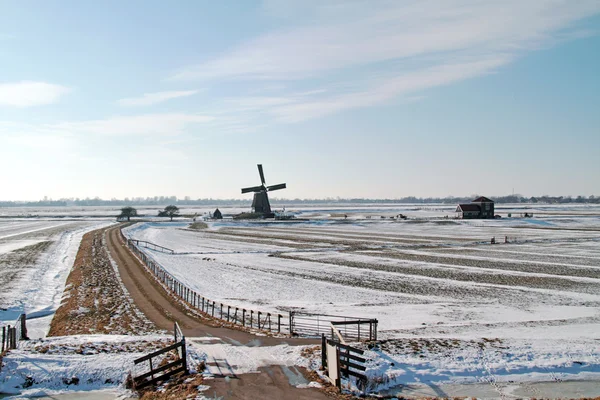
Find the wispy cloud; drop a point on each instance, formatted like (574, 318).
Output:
(350, 54)
(154, 98)
(29, 94)
(147, 124)
(388, 89)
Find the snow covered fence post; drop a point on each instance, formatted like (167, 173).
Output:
(3, 338)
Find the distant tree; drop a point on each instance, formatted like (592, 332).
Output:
(169, 211)
(128, 212)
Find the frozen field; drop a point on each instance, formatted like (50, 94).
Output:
(453, 308)
(35, 259)
(438, 278)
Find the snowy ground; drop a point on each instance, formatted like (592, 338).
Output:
(538, 295)
(35, 259)
(51, 366)
(453, 309)
(439, 277)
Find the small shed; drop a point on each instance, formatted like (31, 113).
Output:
(217, 214)
(480, 208)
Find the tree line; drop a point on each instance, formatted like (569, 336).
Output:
(173, 200)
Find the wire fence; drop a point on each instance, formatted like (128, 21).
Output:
(256, 319)
(296, 323)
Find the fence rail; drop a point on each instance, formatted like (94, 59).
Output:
(179, 365)
(296, 323)
(307, 324)
(153, 246)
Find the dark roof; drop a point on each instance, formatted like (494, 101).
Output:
(482, 200)
(468, 207)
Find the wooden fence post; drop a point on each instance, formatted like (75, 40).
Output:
(278, 323)
(323, 352)
(338, 381)
(8, 338)
(3, 338)
(258, 320)
(269, 316)
(184, 355)
(23, 327)
(251, 314)
(228, 308)
(243, 317)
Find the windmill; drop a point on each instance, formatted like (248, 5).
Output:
(260, 203)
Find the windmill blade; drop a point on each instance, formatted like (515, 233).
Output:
(276, 187)
(260, 171)
(253, 189)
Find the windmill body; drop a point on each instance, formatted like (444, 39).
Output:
(260, 203)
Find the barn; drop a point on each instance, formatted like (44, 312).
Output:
(480, 208)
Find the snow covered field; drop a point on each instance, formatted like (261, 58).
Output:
(35, 259)
(537, 295)
(440, 277)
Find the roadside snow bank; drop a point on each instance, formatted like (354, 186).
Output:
(38, 291)
(74, 363)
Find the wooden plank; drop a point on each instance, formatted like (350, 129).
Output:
(356, 374)
(356, 322)
(160, 378)
(352, 365)
(346, 347)
(158, 370)
(157, 353)
(338, 334)
(353, 357)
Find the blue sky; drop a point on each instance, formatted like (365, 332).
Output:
(377, 99)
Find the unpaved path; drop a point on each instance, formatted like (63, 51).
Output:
(159, 307)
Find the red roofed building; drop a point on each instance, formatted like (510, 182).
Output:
(480, 208)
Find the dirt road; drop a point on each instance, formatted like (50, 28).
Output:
(159, 307)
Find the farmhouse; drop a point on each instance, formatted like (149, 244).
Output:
(480, 208)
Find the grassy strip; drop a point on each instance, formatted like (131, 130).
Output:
(94, 301)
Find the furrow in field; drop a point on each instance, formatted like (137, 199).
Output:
(453, 274)
(560, 270)
(371, 235)
(521, 256)
(490, 259)
(317, 241)
(256, 239)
